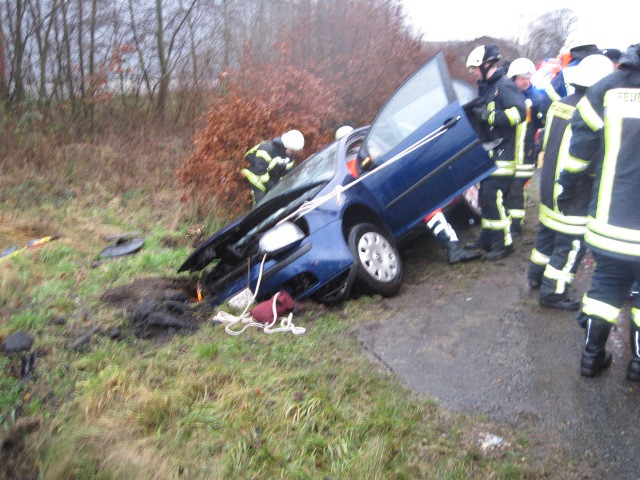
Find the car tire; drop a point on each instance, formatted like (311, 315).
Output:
(471, 198)
(377, 258)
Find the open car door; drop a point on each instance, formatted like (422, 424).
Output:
(424, 141)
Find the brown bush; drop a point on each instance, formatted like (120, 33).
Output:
(254, 108)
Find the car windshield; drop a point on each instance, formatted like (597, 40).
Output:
(316, 169)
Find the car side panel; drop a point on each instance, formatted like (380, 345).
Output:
(391, 183)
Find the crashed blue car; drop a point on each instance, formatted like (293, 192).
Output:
(334, 222)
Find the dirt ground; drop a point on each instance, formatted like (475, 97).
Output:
(475, 337)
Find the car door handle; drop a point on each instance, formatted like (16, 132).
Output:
(451, 122)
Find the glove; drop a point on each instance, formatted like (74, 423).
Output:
(481, 114)
(282, 161)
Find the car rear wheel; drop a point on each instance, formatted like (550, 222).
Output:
(378, 261)
(471, 198)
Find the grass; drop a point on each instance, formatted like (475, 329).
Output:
(204, 405)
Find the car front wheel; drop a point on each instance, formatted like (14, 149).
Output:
(378, 261)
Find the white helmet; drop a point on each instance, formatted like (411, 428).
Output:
(483, 54)
(293, 140)
(342, 131)
(521, 67)
(579, 38)
(588, 71)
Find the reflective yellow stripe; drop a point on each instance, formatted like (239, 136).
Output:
(494, 224)
(251, 150)
(516, 213)
(513, 115)
(564, 277)
(505, 168)
(521, 130)
(574, 164)
(255, 180)
(539, 258)
(503, 223)
(525, 171)
(635, 316)
(600, 309)
(611, 245)
(553, 95)
(589, 115)
(610, 231)
(570, 224)
(491, 108)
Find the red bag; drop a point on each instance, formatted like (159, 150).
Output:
(263, 312)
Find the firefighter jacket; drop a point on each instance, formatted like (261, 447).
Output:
(268, 163)
(606, 135)
(571, 216)
(527, 150)
(558, 88)
(502, 108)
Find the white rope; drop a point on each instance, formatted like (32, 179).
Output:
(339, 190)
(286, 325)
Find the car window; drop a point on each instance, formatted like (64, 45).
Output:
(318, 168)
(464, 92)
(417, 101)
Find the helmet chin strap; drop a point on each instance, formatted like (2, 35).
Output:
(484, 69)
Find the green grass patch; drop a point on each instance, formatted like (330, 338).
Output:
(203, 405)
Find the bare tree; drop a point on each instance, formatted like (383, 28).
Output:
(4, 91)
(547, 34)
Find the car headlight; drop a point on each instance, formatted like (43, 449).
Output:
(280, 237)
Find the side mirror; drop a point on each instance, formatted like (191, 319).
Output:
(280, 238)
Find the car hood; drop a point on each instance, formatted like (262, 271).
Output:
(230, 244)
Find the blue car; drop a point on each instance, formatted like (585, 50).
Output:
(333, 222)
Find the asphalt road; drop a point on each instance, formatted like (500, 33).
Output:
(474, 337)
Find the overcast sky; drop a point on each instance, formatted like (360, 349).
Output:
(613, 23)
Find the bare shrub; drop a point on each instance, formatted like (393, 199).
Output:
(255, 107)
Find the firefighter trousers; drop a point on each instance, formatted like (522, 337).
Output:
(541, 253)
(496, 223)
(568, 251)
(516, 203)
(610, 286)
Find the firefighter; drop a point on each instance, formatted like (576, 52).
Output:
(606, 140)
(443, 231)
(559, 246)
(579, 45)
(270, 161)
(520, 71)
(499, 108)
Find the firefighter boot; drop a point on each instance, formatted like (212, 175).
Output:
(633, 371)
(481, 243)
(499, 251)
(595, 358)
(455, 253)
